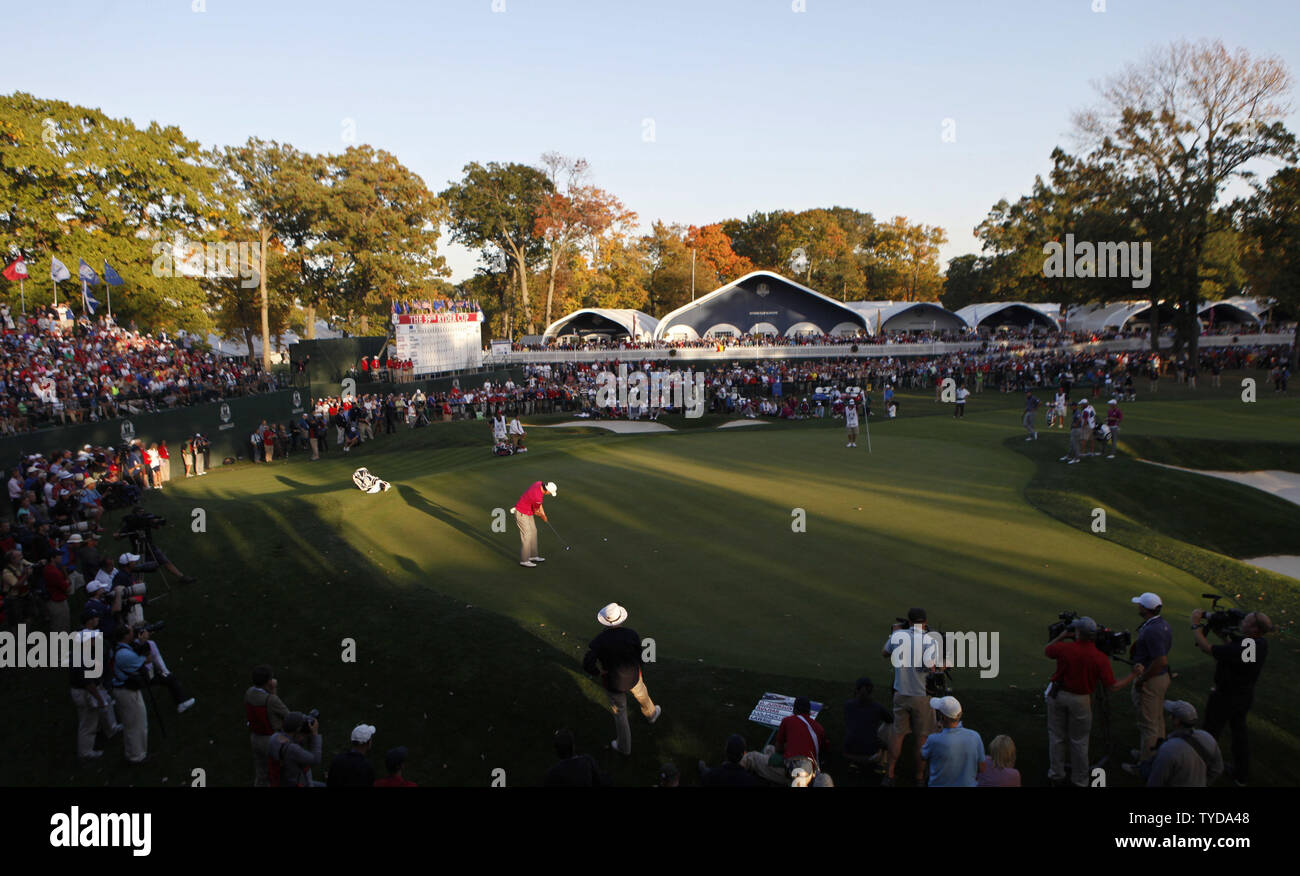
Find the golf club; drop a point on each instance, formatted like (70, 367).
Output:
(557, 535)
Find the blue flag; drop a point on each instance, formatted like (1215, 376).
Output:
(110, 276)
(87, 274)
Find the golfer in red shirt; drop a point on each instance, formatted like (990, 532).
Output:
(530, 504)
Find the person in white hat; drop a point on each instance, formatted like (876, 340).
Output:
(352, 768)
(528, 507)
(1151, 678)
(615, 656)
(1114, 416)
(955, 754)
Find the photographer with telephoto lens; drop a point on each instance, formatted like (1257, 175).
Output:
(265, 713)
(147, 648)
(130, 676)
(139, 526)
(1238, 663)
(293, 751)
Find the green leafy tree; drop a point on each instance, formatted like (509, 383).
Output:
(77, 184)
(496, 207)
(1178, 128)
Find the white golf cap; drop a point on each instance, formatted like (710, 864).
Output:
(551, 488)
(128, 558)
(1182, 710)
(1113, 401)
(612, 615)
(946, 705)
(1149, 601)
(363, 732)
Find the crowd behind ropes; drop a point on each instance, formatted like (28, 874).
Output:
(1030, 337)
(796, 389)
(58, 371)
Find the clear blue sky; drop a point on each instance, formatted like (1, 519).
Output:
(754, 106)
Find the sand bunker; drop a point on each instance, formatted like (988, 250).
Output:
(623, 427)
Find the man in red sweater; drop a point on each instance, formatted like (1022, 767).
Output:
(801, 739)
(528, 507)
(394, 760)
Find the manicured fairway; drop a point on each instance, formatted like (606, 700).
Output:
(473, 661)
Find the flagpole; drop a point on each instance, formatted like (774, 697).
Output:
(22, 293)
(56, 293)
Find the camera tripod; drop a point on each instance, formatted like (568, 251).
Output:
(1101, 719)
(142, 544)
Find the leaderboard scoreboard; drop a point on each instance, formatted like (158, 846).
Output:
(437, 342)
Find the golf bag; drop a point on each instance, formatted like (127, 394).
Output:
(502, 448)
(368, 483)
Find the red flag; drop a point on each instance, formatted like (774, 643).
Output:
(17, 270)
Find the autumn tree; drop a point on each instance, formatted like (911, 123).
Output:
(573, 212)
(712, 248)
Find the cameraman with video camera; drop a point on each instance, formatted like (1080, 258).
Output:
(1080, 668)
(1238, 663)
(139, 526)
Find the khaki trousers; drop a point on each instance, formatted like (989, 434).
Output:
(89, 719)
(618, 705)
(527, 524)
(1069, 723)
(1149, 702)
(135, 722)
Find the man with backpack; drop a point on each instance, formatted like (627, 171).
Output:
(266, 714)
(1187, 758)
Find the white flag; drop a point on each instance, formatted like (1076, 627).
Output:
(59, 271)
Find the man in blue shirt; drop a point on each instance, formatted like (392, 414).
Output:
(129, 679)
(955, 754)
(1151, 678)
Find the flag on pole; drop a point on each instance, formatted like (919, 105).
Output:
(17, 270)
(88, 278)
(111, 276)
(59, 271)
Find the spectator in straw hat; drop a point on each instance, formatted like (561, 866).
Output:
(615, 655)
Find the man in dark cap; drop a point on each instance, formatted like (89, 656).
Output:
(394, 760)
(573, 770)
(729, 774)
(865, 723)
